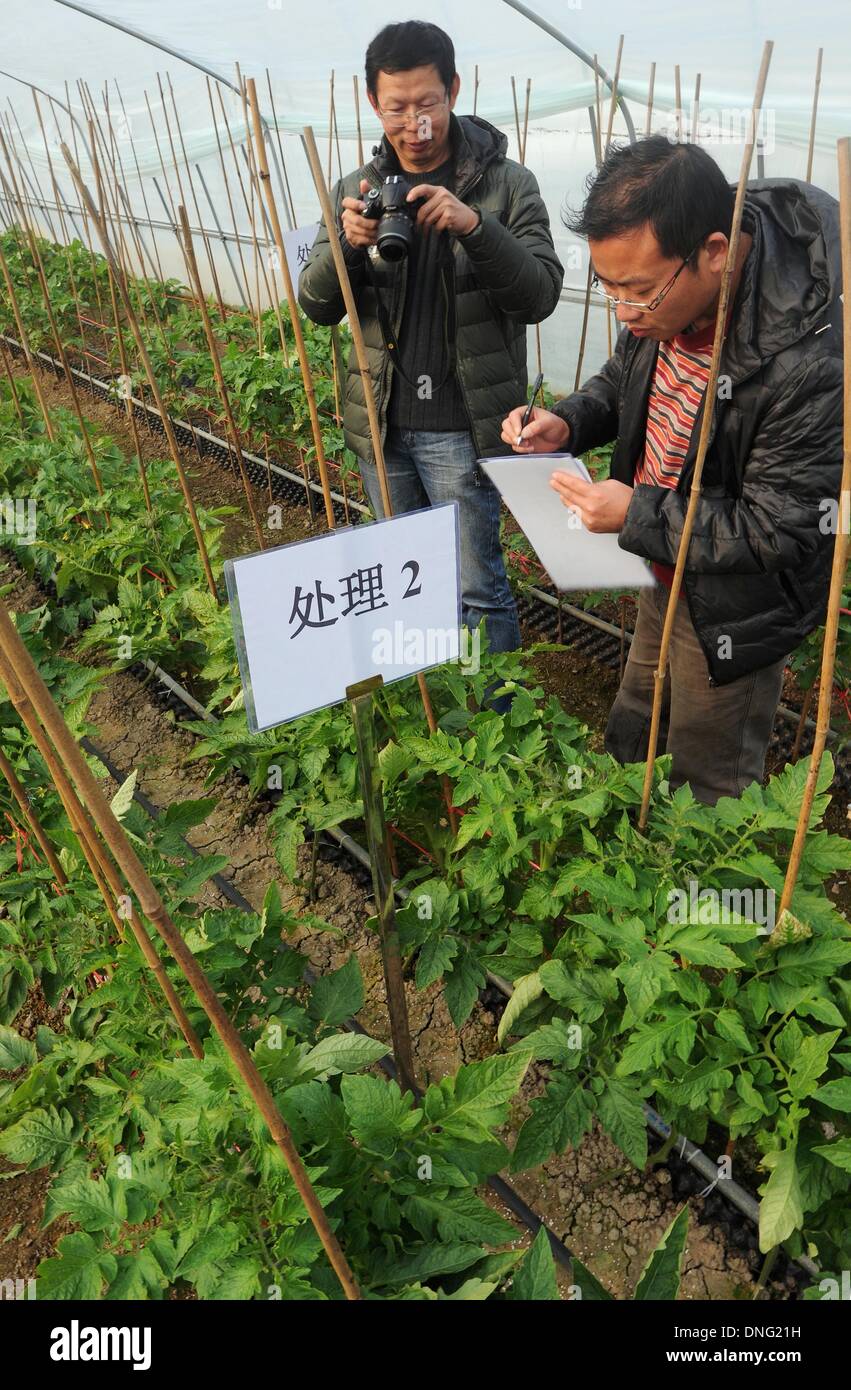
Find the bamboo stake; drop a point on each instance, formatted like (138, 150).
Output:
(476, 90)
(195, 281)
(812, 143)
(301, 349)
(330, 126)
(64, 229)
(678, 100)
(152, 907)
(598, 132)
(12, 385)
(357, 121)
(103, 872)
(695, 110)
(160, 274)
(517, 120)
(60, 347)
(289, 192)
(840, 548)
(146, 362)
(650, 99)
(25, 344)
(245, 277)
(35, 825)
(369, 398)
(526, 119)
(703, 441)
(206, 240)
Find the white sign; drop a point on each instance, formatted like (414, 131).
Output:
(297, 244)
(316, 616)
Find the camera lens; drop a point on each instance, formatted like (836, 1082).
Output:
(394, 236)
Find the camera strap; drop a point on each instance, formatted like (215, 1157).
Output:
(391, 343)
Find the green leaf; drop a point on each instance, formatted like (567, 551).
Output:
(660, 1278)
(526, 990)
(558, 1118)
(458, 1216)
(836, 1094)
(729, 1025)
(341, 1052)
(780, 1210)
(423, 1264)
(838, 1153)
(123, 799)
(202, 869)
(41, 1137)
(461, 987)
(535, 1280)
(96, 1204)
(470, 1103)
(435, 958)
(78, 1270)
(622, 1116)
(338, 995)
(812, 1060)
(15, 1051)
(380, 1114)
(589, 1286)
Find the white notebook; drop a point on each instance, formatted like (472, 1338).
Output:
(573, 557)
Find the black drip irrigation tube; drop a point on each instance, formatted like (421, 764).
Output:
(600, 644)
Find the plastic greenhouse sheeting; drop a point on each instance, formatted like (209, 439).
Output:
(49, 44)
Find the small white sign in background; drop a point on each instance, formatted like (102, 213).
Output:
(297, 245)
(316, 616)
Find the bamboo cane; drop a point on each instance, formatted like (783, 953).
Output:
(195, 281)
(526, 119)
(357, 120)
(369, 398)
(160, 274)
(206, 240)
(695, 110)
(12, 386)
(840, 547)
(703, 440)
(650, 99)
(330, 126)
(146, 362)
(36, 181)
(517, 120)
(476, 90)
(598, 133)
(30, 816)
(60, 347)
(678, 103)
(245, 278)
(301, 349)
(289, 192)
(108, 883)
(811, 146)
(23, 338)
(152, 907)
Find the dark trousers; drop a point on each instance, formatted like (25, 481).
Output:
(718, 735)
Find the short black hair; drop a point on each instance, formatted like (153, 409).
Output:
(412, 44)
(677, 188)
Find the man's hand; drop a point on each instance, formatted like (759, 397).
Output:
(599, 506)
(544, 434)
(442, 211)
(358, 230)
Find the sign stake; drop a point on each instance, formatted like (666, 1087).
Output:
(360, 698)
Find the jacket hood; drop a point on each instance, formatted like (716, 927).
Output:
(475, 144)
(793, 273)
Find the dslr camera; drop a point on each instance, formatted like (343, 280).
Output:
(395, 217)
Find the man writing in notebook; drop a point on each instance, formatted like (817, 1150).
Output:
(657, 219)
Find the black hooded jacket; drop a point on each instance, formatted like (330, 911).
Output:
(758, 566)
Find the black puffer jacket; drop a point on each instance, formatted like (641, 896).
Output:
(759, 561)
(503, 276)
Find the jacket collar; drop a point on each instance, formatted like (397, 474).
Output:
(475, 144)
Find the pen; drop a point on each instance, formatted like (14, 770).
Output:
(527, 413)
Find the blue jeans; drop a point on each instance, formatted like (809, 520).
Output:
(425, 467)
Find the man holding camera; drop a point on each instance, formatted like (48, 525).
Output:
(448, 248)
(657, 220)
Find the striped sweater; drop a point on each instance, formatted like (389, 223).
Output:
(679, 383)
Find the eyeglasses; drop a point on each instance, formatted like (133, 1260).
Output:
(654, 303)
(397, 120)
